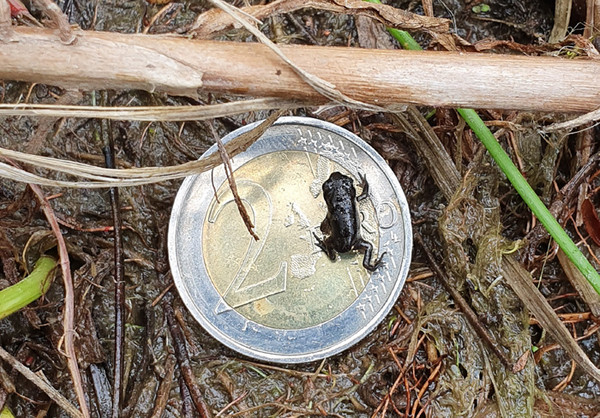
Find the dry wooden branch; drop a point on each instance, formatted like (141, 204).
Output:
(100, 60)
(4, 15)
(323, 87)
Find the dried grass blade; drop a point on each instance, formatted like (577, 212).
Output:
(104, 177)
(150, 113)
(520, 281)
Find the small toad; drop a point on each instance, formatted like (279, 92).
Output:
(342, 223)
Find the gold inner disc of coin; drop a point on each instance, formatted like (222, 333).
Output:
(283, 280)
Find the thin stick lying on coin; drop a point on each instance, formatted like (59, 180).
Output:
(232, 185)
(253, 134)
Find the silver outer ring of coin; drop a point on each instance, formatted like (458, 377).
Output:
(362, 316)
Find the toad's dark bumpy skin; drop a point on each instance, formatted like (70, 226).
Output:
(342, 223)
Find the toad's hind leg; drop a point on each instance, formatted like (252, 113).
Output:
(324, 245)
(367, 247)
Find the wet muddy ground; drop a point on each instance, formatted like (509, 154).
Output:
(450, 371)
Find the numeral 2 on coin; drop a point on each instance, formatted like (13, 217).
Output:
(248, 284)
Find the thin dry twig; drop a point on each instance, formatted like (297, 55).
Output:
(119, 275)
(257, 132)
(233, 186)
(562, 16)
(424, 387)
(590, 117)
(381, 410)
(162, 394)
(69, 308)
(427, 7)
(41, 383)
(183, 358)
(232, 403)
(187, 408)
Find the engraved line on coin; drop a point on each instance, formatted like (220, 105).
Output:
(361, 307)
(373, 288)
(236, 294)
(352, 282)
(370, 302)
(391, 252)
(362, 281)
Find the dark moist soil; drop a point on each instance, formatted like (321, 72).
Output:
(451, 373)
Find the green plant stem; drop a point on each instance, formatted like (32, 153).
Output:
(29, 289)
(530, 197)
(406, 41)
(514, 176)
